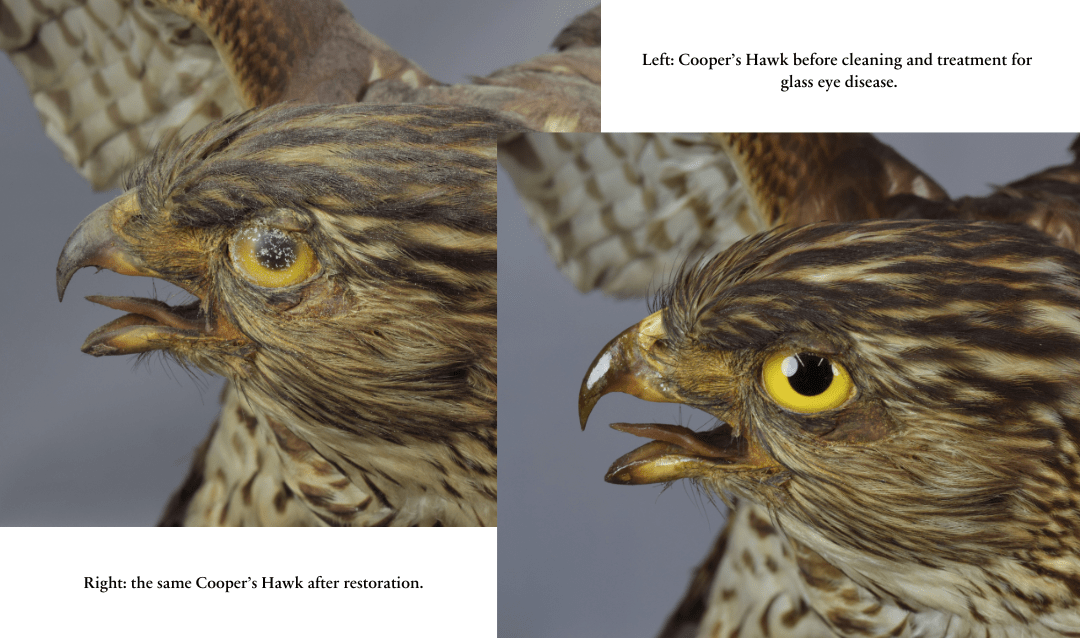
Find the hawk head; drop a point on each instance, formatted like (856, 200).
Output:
(343, 261)
(903, 397)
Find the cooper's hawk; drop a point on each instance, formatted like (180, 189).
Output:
(343, 264)
(898, 420)
(156, 450)
(615, 573)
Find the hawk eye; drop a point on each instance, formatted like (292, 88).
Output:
(805, 382)
(272, 258)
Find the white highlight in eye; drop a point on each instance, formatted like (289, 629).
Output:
(789, 366)
(599, 370)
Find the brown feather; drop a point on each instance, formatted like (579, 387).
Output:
(296, 50)
(799, 178)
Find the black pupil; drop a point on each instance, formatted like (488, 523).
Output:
(813, 375)
(276, 251)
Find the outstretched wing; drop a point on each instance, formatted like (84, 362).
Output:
(557, 91)
(620, 212)
(112, 78)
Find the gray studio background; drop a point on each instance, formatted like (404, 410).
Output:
(87, 441)
(579, 557)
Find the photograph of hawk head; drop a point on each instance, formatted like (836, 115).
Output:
(108, 444)
(889, 404)
(344, 286)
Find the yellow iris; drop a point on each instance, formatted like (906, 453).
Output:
(272, 258)
(805, 382)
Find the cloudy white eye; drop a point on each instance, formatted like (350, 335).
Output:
(272, 258)
(805, 382)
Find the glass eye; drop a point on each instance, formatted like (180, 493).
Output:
(806, 382)
(272, 258)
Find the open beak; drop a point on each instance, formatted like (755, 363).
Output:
(150, 324)
(637, 363)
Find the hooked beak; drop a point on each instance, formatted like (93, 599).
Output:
(96, 243)
(638, 363)
(151, 324)
(628, 363)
